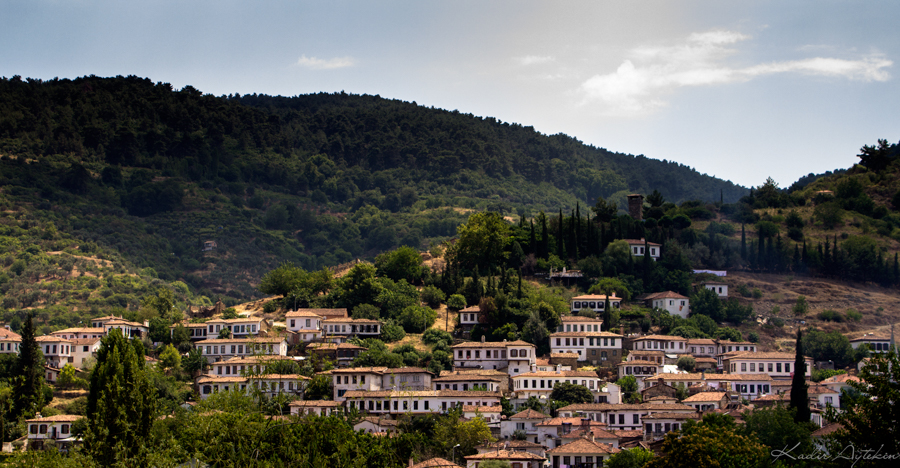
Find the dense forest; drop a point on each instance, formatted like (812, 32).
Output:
(139, 172)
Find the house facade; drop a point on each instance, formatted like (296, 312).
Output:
(638, 247)
(595, 347)
(595, 302)
(515, 356)
(671, 302)
(221, 349)
(777, 365)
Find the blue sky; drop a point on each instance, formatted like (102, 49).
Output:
(739, 90)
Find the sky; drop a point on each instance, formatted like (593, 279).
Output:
(741, 90)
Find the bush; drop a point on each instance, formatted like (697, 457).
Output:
(416, 319)
(757, 294)
(744, 290)
(830, 316)
(270, 307)
(432, 296)
(853, 315)
(753, 337)
(433, 336)
(391, 332)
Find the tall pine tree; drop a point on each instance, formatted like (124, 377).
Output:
(121, 405)
(29, 377)
(799, 393)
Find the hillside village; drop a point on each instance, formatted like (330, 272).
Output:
(340, 280)
(635, 387)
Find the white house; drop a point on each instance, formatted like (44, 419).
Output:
(598, 348)
(83, 332)
(595, 302)
(540, 384)
(417, 402)
(668, 344)
(341, 329)
(637, 247)
(245, 365)
(524, 421)
(582, 450)
(705, 401)
(196, 331)
(307, 325)
(778, 365)
(83, 350)
(9, 341)
(268, 384)
(622, 416)
(671, 302)
(749, 386)
(514, 356)
(240, 327)
(470, 316)
(129, 329)
(577, 323)
(455, 380)
(52, 428)
(57, 351)
(316, 407)
(876, 343)
(719, 288)
(220, 349)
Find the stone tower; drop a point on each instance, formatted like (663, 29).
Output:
(636, 206)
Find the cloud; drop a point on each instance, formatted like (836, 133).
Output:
(533, 60)
(640, 84)
(316, 63)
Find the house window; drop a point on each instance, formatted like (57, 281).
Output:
(778, 367)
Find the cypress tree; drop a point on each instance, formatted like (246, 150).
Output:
(121, 405)
(743, 243)
(799, 393)
(545, 237)
(573, 238)
(532, 241)
(607, 314)
(29, 378)
(560, 238)
(896, 269)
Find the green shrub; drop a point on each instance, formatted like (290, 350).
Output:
(853, 315)
(432, 296)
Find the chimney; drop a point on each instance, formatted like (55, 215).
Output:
(410, 463)
(559, 369)
(482, 338)
(622, 330)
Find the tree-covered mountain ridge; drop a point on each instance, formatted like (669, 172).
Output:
(145, 175)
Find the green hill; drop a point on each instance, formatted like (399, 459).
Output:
(147, 174)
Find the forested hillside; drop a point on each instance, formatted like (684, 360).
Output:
(139, 172)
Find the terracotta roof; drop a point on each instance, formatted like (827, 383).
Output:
(626, 434)
(320, 312)
(350, 320)
(827, 429)
(491, 372)
(664, 295)
(253, 360)
(516, 444)
(57, 418)
(407, 370)
(585, 334)
(575, 422)
(84, 341)
(711, 377)
(529, 414)
(98, 330)
(124, 322)
(652, 352)
(640, 242)
(560, 374)
(840, 378)
(473, 308)
(492, 344)
(316, 403)
(563, 355)
(481, 409)
(249, 339)
(9, 335)
(705, 396)
(237, 320)
(596, 431)
(578, 318)
(637, 362)
(301, 313)
(467, 378)
(506, 455)
(664, 415)
(584, 446)
(435, 462)
(381, 421)
(51, 339)
(627, 407)
(356, 370)
(596, 297)
(419, 393)
(872, 338)
(761, 355)
(701, 341)
(661, 338)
